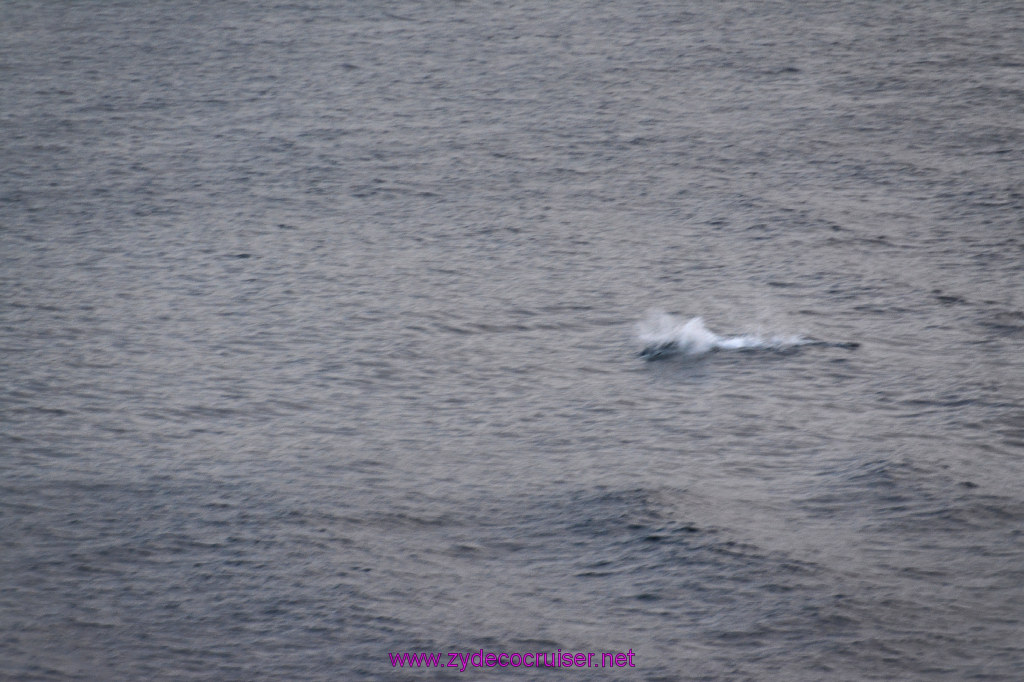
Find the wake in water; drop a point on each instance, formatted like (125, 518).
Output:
(664, 335)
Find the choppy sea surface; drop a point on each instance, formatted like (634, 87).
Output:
(321, 327)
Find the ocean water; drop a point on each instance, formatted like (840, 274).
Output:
(322, 322)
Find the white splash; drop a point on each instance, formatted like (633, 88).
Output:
(663, 334)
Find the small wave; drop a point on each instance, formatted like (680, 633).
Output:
(663, 335)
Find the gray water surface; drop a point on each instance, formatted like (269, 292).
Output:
(319, 338)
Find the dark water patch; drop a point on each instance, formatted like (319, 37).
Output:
(1005, 322)
(948, 299)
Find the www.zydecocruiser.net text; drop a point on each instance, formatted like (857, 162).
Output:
(529, 659)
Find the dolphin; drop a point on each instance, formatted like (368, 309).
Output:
(665, 335)
(666, 349)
